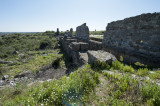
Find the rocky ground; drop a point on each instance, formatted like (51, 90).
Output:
(27, 77)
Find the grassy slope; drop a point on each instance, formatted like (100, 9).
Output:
(121, 89)
(67, 90)
(88, 87)
(35, 51)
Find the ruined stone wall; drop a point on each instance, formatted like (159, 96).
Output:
(73, 48)
(136, 38)
(68, 33)
(96, 39)
(95, 45)
(82, 32)
(71, 32)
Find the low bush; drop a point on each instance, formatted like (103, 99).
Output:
(100, 66)
(151, 94)
(121, 67)
(46, 44)
(143, 72)
(131, 91)
(117, 65)
(154, 75)
(127, 68)
(122, 89)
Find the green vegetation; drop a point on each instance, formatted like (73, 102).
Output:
(155, 75)
(128, 91)
(96, 36)
(28, 52)
(96, 32)
(121, 67)
(67, 90)
(138, 64)
(49, 33)
(24, 43)
(34, 64)
(143, 72)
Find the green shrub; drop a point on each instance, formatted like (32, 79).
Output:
(121, 58)
(143, 71)
(122, 88)
(117, 65)
(151, 93)
(47, 43)
(124, 68)
(127, 68)
(100, 66)
(117, 102)
(154, 75)
(126, 88)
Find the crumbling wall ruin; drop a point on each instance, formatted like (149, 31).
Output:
(82, 32)
(69, 32)
(137, 39)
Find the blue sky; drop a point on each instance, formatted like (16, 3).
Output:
(42, 15)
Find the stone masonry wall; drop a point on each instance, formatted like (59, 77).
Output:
(82, 32)
(136, 38)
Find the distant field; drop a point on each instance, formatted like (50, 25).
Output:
(97, 36)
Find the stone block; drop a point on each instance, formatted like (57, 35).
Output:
(83, 46)
(95, 45)
(71, 40)
(100, 56)
(75, 46)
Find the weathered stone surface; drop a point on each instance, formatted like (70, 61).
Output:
(79, 46)
(82, 32)
(100, 56)
(75, 46)
(5, 62)
(83, 57)
(57, 33)
(66, 33)
(137, 37)
(5, 77)
(23, 74)
(95, 45)
(96, 39)
(15, 52)
(83, 46)
(70, 40)
(71, 32)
